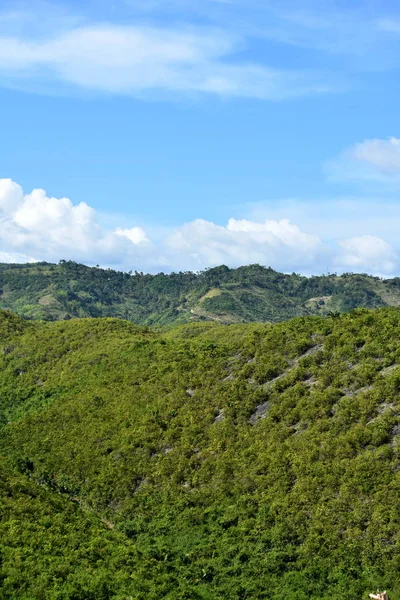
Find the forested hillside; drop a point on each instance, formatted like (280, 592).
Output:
(247, 294)
(206, 461)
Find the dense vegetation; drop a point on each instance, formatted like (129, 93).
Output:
(205, 461)
(247, 294)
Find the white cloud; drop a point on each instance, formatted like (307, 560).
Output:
(367, 253)
(276, 243)
(10, 196)
(46, 47)
(135, 59)
(371, 160)
(335, 218)
(361, 33)
(15, 257)
(36, 226)
(384, 155)
(136, 234)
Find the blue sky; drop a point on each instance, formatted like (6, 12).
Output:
(180, 134)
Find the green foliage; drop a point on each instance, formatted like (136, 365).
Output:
(247, 294)
(50, 548)
(205, 461)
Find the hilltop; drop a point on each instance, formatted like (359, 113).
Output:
(247, 294)
(201, 462)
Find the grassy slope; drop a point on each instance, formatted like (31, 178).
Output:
(51, 548)
(247, 294)
(140, 458)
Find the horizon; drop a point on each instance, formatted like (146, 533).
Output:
(174, 136)
(136, 272)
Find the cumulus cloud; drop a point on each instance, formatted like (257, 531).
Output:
(367, 253)
(35, 226)
(276, 243)
(136, 234)
(137, 59)
(370, 160)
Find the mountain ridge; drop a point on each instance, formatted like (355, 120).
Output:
(247, 294)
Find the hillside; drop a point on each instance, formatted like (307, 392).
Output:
(202, 462)
(247, 294)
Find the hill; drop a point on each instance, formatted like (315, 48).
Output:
(205, 461)
(247, 294)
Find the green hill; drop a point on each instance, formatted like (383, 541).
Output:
(247, 294)
(207, 461)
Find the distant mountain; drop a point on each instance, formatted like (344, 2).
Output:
(247, 294)
(200, 462)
